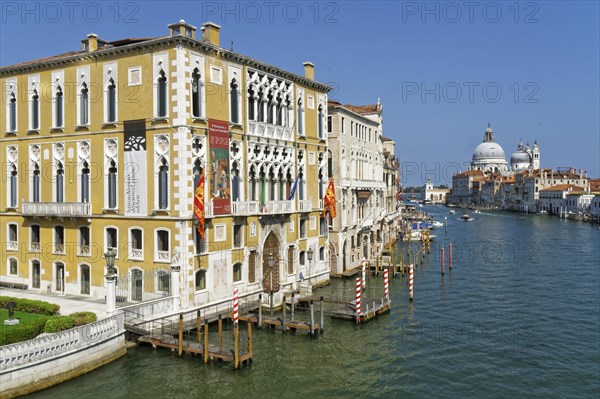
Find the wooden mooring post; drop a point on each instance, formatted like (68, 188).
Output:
(236, 346)
(259, 311)
(205, 340)
(220, 324)
(180, 346)
(283, 315)
(293, 306)
(198, 325)
(321, 325)
(249, 337)
(312, 320)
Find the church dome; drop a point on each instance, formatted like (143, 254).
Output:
(488, 151)
(520, 159)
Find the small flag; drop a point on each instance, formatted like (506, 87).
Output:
(329, 200)
(293, 192)
(199, 204)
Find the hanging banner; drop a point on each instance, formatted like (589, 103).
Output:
(218, 142)
(134, 172)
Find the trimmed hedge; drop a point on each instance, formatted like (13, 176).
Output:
(22, 332)
(31, 306)
(59, 323)
(81, 318)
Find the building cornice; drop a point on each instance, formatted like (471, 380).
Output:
(341, 108)
(162, 42)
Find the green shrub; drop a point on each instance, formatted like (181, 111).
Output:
(22, 332)
(82, 318)
(59, 323)
(31, 306)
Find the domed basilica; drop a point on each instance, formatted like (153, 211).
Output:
(489, 157)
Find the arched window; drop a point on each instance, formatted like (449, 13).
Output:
(112, 185)
(235, 182)
(329, 165)
(278, 110)
(84, 112)
(281, 187)
(13, 266)
(60, 176)
(261, 106)
(13, 186)
(197, 171)
(237, 272)
(12, 113)
(253, 183)
(163, 252)
(111, 99)
(136, 242)
(163, 281)
(85, 279)
(321, 184)
(161, 94)
(163, 185)
(36, 183)
(302, 258)
(35, 111)
(271, 184)
(322, 253)
(196, 94)
(234, 99)
(58, 107)
(251, 104)
(301, 185)
(320, 121)
(200, 280)
(85, 182)
(300, 118)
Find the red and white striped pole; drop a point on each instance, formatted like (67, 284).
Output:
(364, 273)
(450, 256)
(410, 281)
(442, 260)
(358, 285)
(235, 307)
(386, 291)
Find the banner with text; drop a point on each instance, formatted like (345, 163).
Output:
(218, 139)
(134, 180)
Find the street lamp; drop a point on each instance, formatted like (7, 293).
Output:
(110, 261)
(309, 254)
(271, 261)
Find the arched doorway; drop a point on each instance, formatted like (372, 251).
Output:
(271, 246)
(333, 259)
(137, 285)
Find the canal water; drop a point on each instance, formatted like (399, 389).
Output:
(517, 316)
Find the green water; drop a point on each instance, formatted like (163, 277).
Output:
(518, 316)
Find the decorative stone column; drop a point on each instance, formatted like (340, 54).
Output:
(175, 283)
(111, 296)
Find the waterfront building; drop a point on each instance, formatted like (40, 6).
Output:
(357, 168)
(525, 158)
(465, 186)
(435, 194)
(552, 199)
(391, 176)
(104, 147)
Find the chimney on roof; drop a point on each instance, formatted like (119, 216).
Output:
(90, 43)
(210, 33)
(182, 28)
(309, 70)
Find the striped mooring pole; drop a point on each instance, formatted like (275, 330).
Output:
(364, 273)
(235, 307)
(386, 291)
(410, 281)
(358, 287)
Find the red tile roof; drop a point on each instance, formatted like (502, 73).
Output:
(564, 187)
(362, 109)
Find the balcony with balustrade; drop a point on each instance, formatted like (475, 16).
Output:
(245, 208)
(305, 205)
(35, 247)
(278, 207)
(136, 254)
(12, 246)
(163, 256)
(56, 209)
(59, 248)
(269, 130)
(84, 250)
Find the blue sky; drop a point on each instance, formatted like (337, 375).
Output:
(443, 70)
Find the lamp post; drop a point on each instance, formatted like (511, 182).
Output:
(111, 280)
(309, 254)
(271, 261)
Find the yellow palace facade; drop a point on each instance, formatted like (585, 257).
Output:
(103, 148)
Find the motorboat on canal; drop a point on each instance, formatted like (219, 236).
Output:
(466, 218)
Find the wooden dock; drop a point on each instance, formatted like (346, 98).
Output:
(291, 325)
(372, 309)
(196, 348)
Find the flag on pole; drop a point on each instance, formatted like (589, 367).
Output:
(293, 192)
(199, 204)
(329, 201)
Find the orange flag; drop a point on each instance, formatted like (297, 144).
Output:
(199, 204)
(329, 200)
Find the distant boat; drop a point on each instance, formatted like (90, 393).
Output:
(476, 211)
(452, 211)
(543, 211)
(465, 217)
(435, 223)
